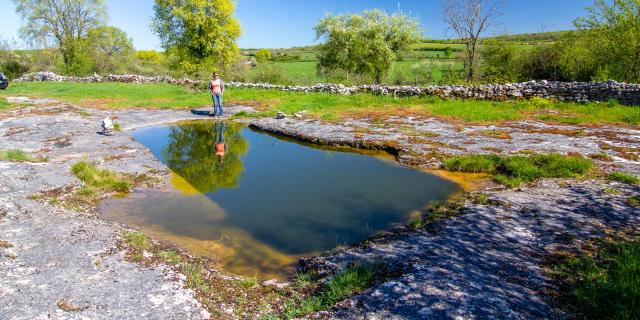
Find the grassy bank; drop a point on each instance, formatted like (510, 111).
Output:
(328, 106)
(515, 170)
(605, 284)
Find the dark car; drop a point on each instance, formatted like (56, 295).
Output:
(4, 82)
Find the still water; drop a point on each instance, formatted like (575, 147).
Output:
(256, 203)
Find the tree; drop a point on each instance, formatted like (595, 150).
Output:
(110, 41)
(263, 55)
(364, 44)
(197, 31)
(469, 19)
(64, 21)
(111, 49)
(611, 34)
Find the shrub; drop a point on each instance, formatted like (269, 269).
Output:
(270, 74)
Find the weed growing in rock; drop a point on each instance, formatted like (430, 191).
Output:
(117, 126)
(170, 256)
(634, 201)
(20, 156)
(514, 170)
(611, 191)
(623, 177)
(600, 156)
(605, 285)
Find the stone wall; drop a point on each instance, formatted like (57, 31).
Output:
(625, 93)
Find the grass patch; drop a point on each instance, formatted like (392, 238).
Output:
(117, 126)
(622, 177)
(605, 285)
(137, 240)
(609, 190)
(634, 201)
(512, 171)
(601, 156)
(99, 178)
(170, 256)
(195, 273)
(330, 107)
(15, 156)
(354, 279)
(20, 156)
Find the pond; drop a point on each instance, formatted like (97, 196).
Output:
(255, 203)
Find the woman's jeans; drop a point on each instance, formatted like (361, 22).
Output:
(217, 103)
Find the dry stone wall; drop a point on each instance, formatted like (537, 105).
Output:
(625, 93)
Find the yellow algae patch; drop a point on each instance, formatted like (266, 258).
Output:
(467, 181)
(182, 185)
(195, 224)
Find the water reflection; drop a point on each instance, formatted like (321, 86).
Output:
(207, 155)
(256, 203)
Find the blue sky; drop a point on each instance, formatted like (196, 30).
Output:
(286, 23)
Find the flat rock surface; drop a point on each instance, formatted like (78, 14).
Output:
(485, 263)
(58, 255)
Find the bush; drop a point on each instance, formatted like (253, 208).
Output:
(270, 74)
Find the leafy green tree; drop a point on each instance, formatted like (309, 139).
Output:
(64, 21)
(263, 55)
(111, 48)
(499, 62)
(364, 44)
(197, 32)
(191, 154)
(611, 34)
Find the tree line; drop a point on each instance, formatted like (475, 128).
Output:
(200, 35)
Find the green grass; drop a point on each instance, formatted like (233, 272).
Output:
(354, 279)
(196, 278)
(623, 177)
(514, 170)
(170, 256)
(605, 285)
(321, 105)
(137, 241)
(15, 156)
(634, 201)
(99, 178)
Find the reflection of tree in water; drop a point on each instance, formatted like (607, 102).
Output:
(191, 154)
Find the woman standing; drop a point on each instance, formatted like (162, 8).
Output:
(217, 90)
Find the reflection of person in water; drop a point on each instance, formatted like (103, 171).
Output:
(220, 146)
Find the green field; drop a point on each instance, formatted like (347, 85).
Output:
(329, 107)
(402, 72)
(426, 62)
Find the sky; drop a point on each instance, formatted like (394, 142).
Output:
(287, 23)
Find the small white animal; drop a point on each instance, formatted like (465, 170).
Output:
(107, 126)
